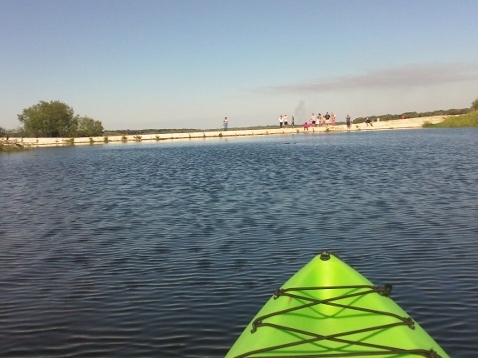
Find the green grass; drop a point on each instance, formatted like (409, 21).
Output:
(464, 120)
(12, 147)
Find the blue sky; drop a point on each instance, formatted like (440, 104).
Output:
(137, 64)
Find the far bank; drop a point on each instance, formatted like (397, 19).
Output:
(408, 123)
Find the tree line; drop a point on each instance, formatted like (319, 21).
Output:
(54, 119)
(387, 117)
(57, 119)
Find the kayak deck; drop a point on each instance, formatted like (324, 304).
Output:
(327, 309)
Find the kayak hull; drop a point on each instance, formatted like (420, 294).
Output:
(328, 309)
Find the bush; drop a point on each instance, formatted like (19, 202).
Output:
(441, 112)
(13, 147)
(88, 127)
(464, 120)
(474, 105)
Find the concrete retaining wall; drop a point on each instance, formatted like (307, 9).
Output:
(383, 125)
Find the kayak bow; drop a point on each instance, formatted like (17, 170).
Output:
(328, 309)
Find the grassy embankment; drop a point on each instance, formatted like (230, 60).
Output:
(465, 120)
(6, 147)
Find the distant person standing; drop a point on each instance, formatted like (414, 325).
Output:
(281, 121)
(368, 121)
(286, 121)
(224, 123)
(327, 117)
(333, 118)
(347, 121)
(292, 122)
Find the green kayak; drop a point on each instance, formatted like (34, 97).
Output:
(327, 309)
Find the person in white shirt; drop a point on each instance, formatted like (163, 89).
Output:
(312, 120)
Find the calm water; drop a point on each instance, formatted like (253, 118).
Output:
(168, 249)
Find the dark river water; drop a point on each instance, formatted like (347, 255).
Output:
(168, 249)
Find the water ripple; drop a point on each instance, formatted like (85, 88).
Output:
(169, 249)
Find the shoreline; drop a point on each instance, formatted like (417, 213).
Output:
(408, 123)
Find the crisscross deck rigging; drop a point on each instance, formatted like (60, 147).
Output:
(297, 293)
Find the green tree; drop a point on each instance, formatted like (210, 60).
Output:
(49, 119)
(88, 127)
(474, 105)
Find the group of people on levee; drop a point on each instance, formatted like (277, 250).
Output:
(314, 121)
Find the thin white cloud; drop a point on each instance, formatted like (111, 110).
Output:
(413, 75)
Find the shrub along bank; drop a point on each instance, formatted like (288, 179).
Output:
(388, 117)
(6, 147)
(464, 120)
